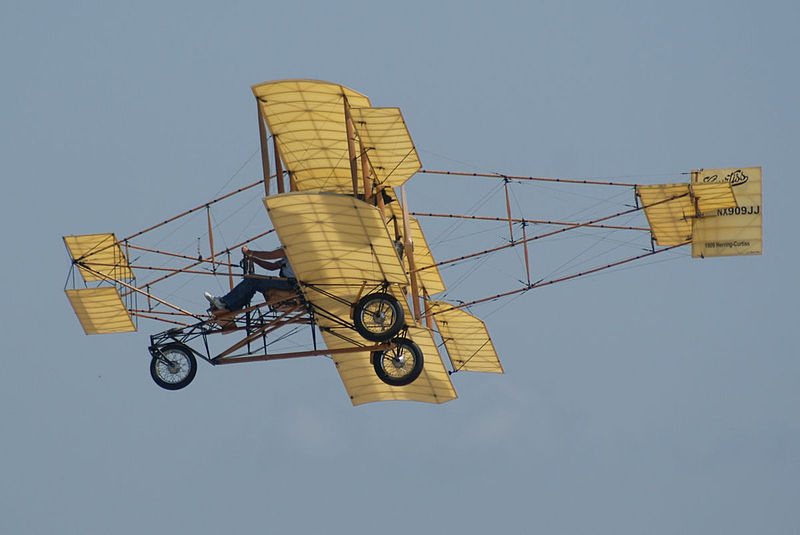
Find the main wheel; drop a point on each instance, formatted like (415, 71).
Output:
(173, 366)
(399, 365)
(378, 317)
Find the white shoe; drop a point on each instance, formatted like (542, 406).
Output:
(216, 302)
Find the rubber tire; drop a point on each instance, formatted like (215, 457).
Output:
(186, 359)
(378, 299)
(403, 347)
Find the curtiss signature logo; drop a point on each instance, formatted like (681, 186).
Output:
(737, 178)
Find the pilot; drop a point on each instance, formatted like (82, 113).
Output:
(245, 290)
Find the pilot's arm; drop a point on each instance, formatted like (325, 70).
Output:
(262, 257)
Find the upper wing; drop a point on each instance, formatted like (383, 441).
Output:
(308, 119)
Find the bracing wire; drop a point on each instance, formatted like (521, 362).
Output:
(230, 179)
(476, 205)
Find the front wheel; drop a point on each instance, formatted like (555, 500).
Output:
(399, 365)
(378, 317)
(173, 366)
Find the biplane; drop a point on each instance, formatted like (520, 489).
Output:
(366, 277)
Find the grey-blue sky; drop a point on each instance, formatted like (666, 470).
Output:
(658, 400)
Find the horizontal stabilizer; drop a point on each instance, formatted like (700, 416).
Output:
(307, 120)
(674, 209)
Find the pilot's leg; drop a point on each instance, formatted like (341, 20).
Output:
(241, 294)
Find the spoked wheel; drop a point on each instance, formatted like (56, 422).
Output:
(378, 317)
(399, 365)
(173, 366)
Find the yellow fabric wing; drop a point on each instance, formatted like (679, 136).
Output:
(390, 151)
(99, 257)
(100, 310)
(333, 239)
(308, 122)
(363, 386)
(334, 243)
(711, 197)
(466, 339)
(669, 212)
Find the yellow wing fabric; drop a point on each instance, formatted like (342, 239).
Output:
(308, 122)
(99, 257)
(466, 339)
(711, 197)
(390, 151)
(673, 209)
(335, 243)
(669, 210)
(363, 386)
(307, 119)
(333, 239)
(100, 310)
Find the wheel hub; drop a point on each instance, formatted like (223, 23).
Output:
(398, 361)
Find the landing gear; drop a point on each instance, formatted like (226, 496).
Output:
(173, 366)
(378, 317)
(399, 365)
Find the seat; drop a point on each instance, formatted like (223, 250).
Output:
(283, 300)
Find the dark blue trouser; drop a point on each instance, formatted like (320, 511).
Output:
(245, 290)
